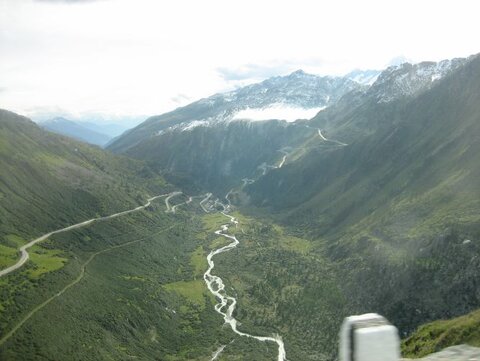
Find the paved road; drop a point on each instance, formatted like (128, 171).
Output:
(171, 209)
(321, 135)
(207, 197)
(188, 201)
(23, 249)
(80, 276)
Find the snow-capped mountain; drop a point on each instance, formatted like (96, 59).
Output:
(364, 77)
(295, 96)
(297, 89)
(409, 79)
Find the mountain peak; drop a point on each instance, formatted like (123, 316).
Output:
(408, 79)
(75, 130)
(282, 97)
(364, 77)
(398, 60)
(298, 72)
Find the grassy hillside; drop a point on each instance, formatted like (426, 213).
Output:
(127, 287)
(284, 286)
(123, 305)
(48, 181)
(130, 288)
(217, 157)
(150, 127)
(398, 208)
(438, 335)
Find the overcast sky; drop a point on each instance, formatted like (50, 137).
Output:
(128, 59)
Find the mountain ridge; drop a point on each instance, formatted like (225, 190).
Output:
(299, 89)
(75, 130)
(63, 168)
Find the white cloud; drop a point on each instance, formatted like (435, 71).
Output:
(129, 58)
(277, 111)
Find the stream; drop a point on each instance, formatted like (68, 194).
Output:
(226, 305)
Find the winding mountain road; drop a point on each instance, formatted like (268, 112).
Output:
(247, 181)
(188, 201)
(207, 197)
(330, 140)
(23, 249)
(264, 167)
(284, 158)
(321, 135)
(171, 209)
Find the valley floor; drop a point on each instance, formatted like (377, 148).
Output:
(135, 288)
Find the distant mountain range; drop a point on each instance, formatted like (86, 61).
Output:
(75, 130)
(298, 95)
(89, 132)
(292, 97)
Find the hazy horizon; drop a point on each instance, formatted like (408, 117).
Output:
(60, 58)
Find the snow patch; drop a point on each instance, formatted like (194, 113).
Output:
(194, 124)
(277, 111)
(409, 79)
(229, 96)
(365, 79)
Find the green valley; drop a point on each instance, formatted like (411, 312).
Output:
(371, 206)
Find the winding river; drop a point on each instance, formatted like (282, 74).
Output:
(226, 305)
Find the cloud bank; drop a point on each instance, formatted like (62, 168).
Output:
(124, 58)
